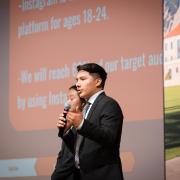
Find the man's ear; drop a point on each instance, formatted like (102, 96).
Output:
(98, 82)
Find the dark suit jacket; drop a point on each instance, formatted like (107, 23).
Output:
(65, 164)
(99, 151)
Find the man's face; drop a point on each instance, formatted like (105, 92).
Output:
(87, 84)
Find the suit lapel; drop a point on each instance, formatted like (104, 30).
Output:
(92, 110)
(94, 105)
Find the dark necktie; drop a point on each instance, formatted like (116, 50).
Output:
(79, 137)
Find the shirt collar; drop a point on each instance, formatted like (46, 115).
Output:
(94, 96)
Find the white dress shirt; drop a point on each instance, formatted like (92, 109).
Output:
(91, 101)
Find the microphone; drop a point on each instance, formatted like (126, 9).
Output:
(67, 106)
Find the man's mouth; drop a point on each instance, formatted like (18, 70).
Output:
(79, 91)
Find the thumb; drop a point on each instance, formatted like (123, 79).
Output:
(77, 109)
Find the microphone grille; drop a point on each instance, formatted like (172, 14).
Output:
(67, 105)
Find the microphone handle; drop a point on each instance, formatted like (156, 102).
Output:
(61, 130)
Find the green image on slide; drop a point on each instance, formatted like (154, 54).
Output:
(172, 121)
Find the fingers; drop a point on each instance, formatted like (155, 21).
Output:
(77, 109)
(61, 121)
(74, 118)
(64, 122)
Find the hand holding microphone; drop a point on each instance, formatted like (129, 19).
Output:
(74, 118)
(62, 119)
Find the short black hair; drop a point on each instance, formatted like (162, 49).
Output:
(94, 68)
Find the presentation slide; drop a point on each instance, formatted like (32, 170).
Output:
(47, 39)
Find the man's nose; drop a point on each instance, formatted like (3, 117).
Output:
(77, 84)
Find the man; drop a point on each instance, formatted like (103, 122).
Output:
(96, 148)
